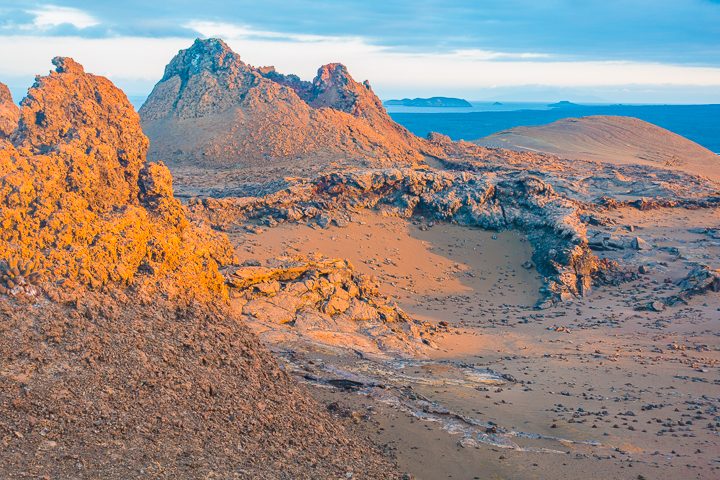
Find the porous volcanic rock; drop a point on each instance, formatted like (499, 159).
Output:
(120, 356)
(212, 109)
(80, 204)
(9, 112)
(327, 302)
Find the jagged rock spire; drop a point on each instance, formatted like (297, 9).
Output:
(9, 112)
(211, 108)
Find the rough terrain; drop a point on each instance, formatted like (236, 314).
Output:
(600, 385)
(121, 357)
(212, 110)
(524, 202)
(479, 312)
(574, 303)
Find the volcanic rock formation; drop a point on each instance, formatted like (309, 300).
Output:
(9, 112)
(327, 302)
(120, 356)
(213, 110)
(518, 201)
(80, 203)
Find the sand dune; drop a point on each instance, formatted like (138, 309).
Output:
(622, 140)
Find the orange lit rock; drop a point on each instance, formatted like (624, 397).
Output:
(79, 200)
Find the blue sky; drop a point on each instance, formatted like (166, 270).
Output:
(583, 50)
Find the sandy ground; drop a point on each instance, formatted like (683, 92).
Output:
(593, 388)
(427, 270)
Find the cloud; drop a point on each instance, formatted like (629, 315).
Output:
(50, 16)
(477, 54)
(236, 31)
(136, 62)
(464, 68)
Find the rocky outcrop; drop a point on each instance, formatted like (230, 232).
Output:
(79, 203)
(88, 125)
(207, 78)
(9, 112)
(121, 356)
(214, 110)
(325, 302)
(700, 280)
(333, 87)
(520, 201)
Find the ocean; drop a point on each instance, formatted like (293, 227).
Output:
(699, 123)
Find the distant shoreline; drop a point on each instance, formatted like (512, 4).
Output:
(432, 102)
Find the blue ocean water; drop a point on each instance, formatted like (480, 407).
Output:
(699, 123)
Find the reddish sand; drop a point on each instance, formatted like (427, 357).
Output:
(640, 385)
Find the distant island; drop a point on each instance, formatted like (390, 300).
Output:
(430, 102)
(564, 104)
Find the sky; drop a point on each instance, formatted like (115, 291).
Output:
(629, 51)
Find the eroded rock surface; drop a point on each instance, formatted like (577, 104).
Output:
(521, 201)
(9, 112)
(121, 358)
(212, 109)
(79, 202)
(327, 302)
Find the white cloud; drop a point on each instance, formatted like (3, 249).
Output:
(477, 54)
(136, 63)
(236, 33)
(49, 16)
(231, 30)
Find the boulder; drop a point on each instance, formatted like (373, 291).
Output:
(640, 244)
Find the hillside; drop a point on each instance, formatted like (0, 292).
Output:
(121, 358)
(211, 109)
(618, 140)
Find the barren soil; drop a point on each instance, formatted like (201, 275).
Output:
(590, 388)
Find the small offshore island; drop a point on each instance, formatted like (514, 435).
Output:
(564, 104)
(431, 102)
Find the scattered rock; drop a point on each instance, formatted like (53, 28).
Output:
(128, 348)
(656, 306)
(640, 244)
